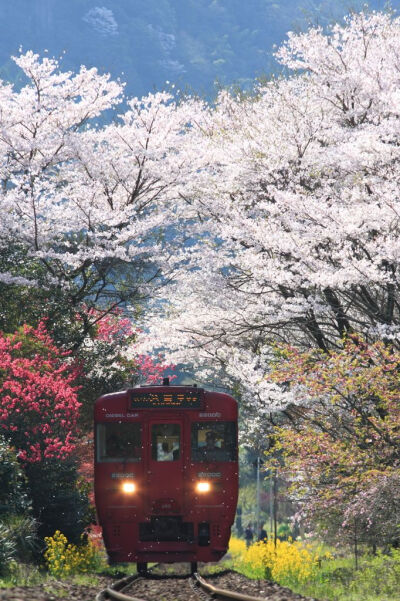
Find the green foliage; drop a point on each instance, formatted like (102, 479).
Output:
(17, 526)
(7, 549)
(22, 530)
(21, 574)
(59, 497)
(247, 470)
(23, 304)
(67, 311)
(284, 531)
(13, 487)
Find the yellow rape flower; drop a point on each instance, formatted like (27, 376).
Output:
(287, 562)
(63, 558)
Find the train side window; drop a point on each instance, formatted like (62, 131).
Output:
(119, 442)
(165, 442)
(213, 441)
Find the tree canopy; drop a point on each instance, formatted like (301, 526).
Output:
(296, 187)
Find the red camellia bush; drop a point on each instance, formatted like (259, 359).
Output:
(38, 400)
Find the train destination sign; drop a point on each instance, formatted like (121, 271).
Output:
(176, 399)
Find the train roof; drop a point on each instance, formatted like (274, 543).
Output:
(164, 397)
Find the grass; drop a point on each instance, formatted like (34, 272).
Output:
(225, 564)
(118, 570)
(336, 579)
(377, 579)
(22, 574)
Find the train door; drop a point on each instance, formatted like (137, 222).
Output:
(165, 473)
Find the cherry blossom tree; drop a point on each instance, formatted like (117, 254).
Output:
(85, 205)
(342, 444)
(293, 204)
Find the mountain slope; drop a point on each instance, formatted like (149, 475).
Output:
(147, 42)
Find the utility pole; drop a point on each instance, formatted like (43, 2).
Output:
(271, 501)
(275, 506)
(257, 532)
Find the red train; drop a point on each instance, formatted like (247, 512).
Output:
(166, 474)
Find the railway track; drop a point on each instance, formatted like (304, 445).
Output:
(171, 587)
(220, 593)
(115, 590)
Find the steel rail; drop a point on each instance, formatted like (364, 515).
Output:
(113, 591)
(120, 596)
(223, 593)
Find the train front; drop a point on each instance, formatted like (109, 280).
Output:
(166, 473)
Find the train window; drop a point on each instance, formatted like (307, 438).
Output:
(214, 441)
(165, 442)
(118, 442)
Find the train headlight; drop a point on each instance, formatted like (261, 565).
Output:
(128, 487)
(203, 486)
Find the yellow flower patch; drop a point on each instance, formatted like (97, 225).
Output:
(287, 562)
(65, 559)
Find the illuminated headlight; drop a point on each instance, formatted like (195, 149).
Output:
(203, 487)
(128, 487)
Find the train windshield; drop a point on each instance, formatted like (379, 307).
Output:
(165, 442)
(214, 441)
(119, 442)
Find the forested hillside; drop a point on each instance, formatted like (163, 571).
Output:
(147, 42)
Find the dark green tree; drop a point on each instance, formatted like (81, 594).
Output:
(59, 498)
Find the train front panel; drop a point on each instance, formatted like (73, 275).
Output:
(166, 478)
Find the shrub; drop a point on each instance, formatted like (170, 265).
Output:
(13, 487)
(60, 502)
(380, 574)
(65, 559)
(284, 532)
(38, 401)
(7, 549)
(22, 529)
(17, 526)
